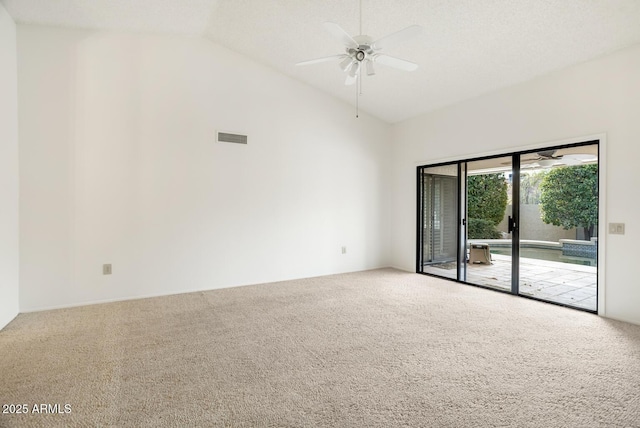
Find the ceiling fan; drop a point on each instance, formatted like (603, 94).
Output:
(363, 51)
(548, 158)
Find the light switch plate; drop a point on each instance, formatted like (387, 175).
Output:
(616, 228)
(106, 269)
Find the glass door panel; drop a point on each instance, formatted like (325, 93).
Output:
(558, 226)
(489, 220)
(439, 220)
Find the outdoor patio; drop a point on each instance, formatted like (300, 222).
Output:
(565, 283)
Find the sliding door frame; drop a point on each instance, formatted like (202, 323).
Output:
(599, 141)
(420, 217)
(515, 233)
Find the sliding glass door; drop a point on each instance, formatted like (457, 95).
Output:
(524, 223)
(558, 239)
(489, 208)
(439, 220)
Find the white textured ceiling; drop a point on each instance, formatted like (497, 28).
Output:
(467, 48)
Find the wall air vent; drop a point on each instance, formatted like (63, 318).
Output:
(227, 137)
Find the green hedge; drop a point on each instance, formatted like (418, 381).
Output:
(480, 228)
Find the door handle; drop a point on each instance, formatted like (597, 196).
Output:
(511, 224)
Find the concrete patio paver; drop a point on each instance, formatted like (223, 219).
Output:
(566, 283)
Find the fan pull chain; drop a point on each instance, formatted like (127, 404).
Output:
(358, 91)
(357, 102)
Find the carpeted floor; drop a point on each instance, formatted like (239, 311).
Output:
(381, 348)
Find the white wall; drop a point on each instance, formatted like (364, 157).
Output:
(9, 243)
(600, 96)
(118, 164)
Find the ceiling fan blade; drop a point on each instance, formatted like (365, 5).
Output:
(323, 59)
(582, 157)
(370, 70)
(353, 74)
(355, 68)
(398, 63)
(525, 158)
(346, 63)
(397, 37)
(530, 165)
(550, 154)
(570, 161)
(336, 31)
(522, 162)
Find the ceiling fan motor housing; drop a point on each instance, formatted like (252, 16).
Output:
(361, 53)
(364, 48)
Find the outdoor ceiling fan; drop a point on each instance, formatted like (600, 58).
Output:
(550, 157)
(363, 51)
(547, 158)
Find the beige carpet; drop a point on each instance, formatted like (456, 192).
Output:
(373, 349)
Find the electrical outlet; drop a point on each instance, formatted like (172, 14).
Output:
(344, 250)
(106, 269)
(616, 228)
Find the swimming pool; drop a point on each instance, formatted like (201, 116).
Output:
(551, 254)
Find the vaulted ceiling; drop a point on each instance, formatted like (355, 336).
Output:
(466, 48)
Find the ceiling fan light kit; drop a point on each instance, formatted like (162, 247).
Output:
(346, 63)
(364, 49)
(546, 163)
